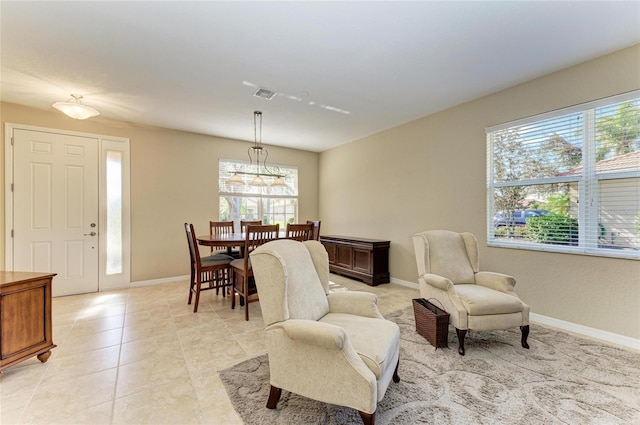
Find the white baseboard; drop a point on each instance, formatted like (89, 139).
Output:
(406, 283)
(601, 335)
(151, 282)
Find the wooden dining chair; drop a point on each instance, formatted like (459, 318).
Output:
(243, 229)
(242, 275)
(210, 272)
(316, 229)
(300, 232)
(244, 224)
(222, 228)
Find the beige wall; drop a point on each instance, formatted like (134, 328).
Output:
(426, 174)
(174, 179)
(431, 174)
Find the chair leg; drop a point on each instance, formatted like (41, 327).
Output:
(233, 290)
(245, 286)
(274, 396)
(396, 377)
(241, 285)
(195, 304)
(191, 285)
(525, 335)
(225, 282)
(368, 418)
(461, 334)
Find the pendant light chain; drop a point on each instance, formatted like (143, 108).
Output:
(261, 166)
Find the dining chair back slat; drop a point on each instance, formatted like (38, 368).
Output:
(222, 228)
(300, 232)
(243, 229)
(245, 223)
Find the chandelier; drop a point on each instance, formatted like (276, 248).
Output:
(75, 109)
(258, 155)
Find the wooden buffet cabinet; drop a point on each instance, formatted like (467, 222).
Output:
(359, 258)
(25, 317)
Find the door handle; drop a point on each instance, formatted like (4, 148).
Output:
(90, 234)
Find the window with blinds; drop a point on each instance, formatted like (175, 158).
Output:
(568, 180)
(270, 203)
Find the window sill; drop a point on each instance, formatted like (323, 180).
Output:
(627, 254)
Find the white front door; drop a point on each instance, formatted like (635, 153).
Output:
(55, 209)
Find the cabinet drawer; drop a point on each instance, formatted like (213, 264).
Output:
(331, 252)
(362, 260)
(345, 256)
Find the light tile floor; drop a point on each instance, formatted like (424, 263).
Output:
(141, 356)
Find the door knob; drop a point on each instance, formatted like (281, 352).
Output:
(90, 234)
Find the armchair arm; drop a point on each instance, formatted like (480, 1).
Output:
(304, 353)
(498, 281)
(443, 289)
(436, 281)
(309, 332)
(354, 302)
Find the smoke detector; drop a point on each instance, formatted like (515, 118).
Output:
(264, 94)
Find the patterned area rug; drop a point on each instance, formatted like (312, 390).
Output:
(561, 379)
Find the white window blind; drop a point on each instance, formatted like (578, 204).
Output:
(568, 180)
(270, 204)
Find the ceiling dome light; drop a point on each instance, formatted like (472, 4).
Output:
(75, 109)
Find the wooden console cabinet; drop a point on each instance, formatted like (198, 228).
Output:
(359, 258)
(25, 317)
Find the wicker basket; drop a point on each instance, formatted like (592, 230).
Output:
(431, 322)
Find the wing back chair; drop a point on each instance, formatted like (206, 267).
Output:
(332, 347)
(448, 271)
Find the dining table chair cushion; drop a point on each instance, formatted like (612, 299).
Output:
(214, 260)
(219, 256)
(238, 263)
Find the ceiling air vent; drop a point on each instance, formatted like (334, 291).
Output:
(264, 93)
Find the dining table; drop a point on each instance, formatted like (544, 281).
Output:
(229, 240)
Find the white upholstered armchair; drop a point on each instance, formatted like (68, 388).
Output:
(331, 347)
(448, 271)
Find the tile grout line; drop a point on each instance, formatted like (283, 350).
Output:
(115, 385)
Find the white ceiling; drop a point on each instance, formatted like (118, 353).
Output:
(342, 70)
